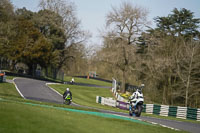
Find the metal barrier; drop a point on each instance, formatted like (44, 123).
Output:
(162, 110)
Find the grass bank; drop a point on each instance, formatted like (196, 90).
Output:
(8, 90)
(23, 118)
(87, 81)
(86, 95)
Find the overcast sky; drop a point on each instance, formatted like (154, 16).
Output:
(92, 12)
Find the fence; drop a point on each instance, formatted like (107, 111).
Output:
(116, 94)
(106, 101)
(178, 112)
(162, 110)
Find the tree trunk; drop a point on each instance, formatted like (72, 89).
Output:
(123, 82)
(164, 101)
(188, 79)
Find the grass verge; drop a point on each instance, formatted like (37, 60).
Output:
(86, 95)
(88, 81)
(22, 118)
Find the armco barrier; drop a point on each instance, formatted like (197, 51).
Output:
(172, 111)
(178, 112)
(110, 102)
(123, 105)
(106, 101)
(156, 109)
(97, 99)
(192, 113)
(149, 108)
(144, 109)
(198, 115)
(164, 109)
(181, 112)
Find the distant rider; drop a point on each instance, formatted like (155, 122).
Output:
(67, 92)
(72, 81)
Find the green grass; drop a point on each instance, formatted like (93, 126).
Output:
(17, 117)
(86, 95)
(23, 118)
(10, 77)
(8, 90)
(88, 81)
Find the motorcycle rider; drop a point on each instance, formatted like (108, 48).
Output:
(136, 102)
(135, 94)
(67, 92)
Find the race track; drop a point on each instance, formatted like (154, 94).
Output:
(37, 90)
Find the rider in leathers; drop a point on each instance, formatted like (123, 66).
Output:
(67, 92)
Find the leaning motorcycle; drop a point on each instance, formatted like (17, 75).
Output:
(68, 99)
(136, 103)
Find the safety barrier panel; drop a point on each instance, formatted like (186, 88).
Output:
(144, 109)
(123, 105)
(149, 108)
(164, 109)
(181, 112)
(172, 111)
(106, 101)
(192, 113)
(98, 99)
(178, 112)
(198, 115)
(156, 109)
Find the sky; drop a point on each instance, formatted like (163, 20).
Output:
(92, 13)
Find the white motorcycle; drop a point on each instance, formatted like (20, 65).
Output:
(136, 102)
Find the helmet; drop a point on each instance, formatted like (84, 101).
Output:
(67, 89)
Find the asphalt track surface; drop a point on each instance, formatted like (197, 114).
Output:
(37, 90)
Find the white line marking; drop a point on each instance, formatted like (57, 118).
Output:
(53, 89)
(18, 89)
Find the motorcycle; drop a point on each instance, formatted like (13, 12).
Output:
(68, 99)
(136, 102)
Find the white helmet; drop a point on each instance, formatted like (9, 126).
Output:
(67, 89)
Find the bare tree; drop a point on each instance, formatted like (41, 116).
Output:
(125, 24)
(160, 65)
(188, 64)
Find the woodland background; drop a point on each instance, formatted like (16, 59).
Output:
(165, 58)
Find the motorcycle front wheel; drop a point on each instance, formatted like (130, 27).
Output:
(68, 102)
(139, 110)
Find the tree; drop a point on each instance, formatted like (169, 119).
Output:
(28, 46)
(24, 13)
(50, 25)
(179, 23)
(126, 24)
(187, 61)
(171, 62)
(159, 68)
(70, 24)
(6, 10)
(6, 32)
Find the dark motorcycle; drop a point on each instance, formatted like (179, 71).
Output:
(68, 99)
